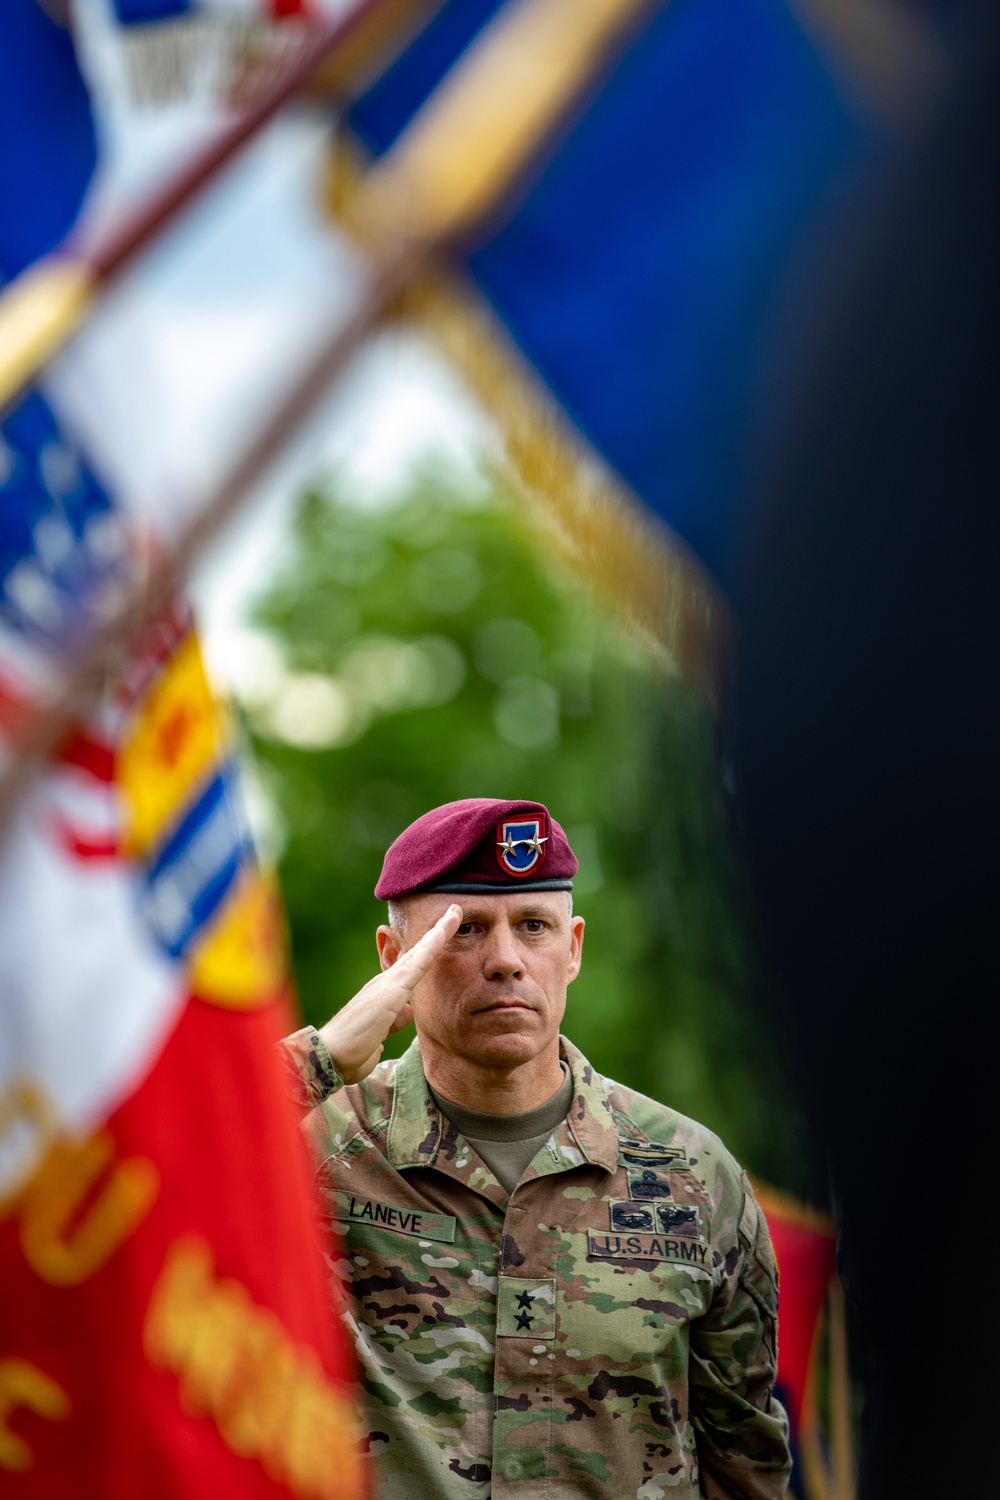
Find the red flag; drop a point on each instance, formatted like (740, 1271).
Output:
(167, 1327)
(805, 1245)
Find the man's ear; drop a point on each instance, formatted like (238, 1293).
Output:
(576, 926)
(388, 945)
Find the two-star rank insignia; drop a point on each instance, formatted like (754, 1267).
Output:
(521, 844)
(526, 1307)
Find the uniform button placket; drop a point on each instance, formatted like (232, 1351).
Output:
(524, 1359)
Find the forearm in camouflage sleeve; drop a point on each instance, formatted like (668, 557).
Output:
(310, 1075)
(742, 1430)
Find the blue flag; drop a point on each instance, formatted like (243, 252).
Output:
(640, 268)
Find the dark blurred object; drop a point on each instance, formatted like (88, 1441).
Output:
(868, 720)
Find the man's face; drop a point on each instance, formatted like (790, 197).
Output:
(497, 994)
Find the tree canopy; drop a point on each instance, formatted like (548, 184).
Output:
(433, 648)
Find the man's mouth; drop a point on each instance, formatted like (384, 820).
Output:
(501, 1005)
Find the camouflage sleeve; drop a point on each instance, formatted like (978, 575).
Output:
(742, 1431)
(310, 1075)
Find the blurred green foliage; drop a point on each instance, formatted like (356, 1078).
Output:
(432, 649)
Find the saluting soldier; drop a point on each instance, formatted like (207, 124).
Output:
(555, 1283)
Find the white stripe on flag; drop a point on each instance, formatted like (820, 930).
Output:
(87, 995)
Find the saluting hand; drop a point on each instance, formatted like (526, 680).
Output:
(355, 1036)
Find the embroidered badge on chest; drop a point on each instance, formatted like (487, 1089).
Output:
(663, 1218)
(678, 1218)
(521, 844)
(649, 1154)
(649, 1184)
(526, 1307)
(632, 1215)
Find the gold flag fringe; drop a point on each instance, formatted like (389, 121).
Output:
(220, 59)
(230, 60)
(628, 556)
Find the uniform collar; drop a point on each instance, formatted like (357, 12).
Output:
(590, 1118)
(416, 1124)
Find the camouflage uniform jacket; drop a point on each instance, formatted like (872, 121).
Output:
(606, 1330)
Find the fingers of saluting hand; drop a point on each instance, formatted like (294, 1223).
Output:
(354, 1036)
(410, 967)
(404, 1018)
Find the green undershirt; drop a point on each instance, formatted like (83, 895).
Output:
(507, 1143)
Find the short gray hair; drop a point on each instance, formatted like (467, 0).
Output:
(398, 915)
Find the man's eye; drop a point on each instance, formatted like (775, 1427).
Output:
(533, 925)
(464, 928)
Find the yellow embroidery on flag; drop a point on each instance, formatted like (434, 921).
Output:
(240, 961)
(27, 1129)
(25, 1385)
(270, 1398)
(83, 1203)
(178, 735)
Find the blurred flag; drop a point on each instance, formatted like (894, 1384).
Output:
(47, 143)
(633, 265)
(805, 1244)
(158, 10)
(166, 1327)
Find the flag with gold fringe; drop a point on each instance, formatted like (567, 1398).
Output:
(624, 189)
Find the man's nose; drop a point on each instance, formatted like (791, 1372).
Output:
(502, 959)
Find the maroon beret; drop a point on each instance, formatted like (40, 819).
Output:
(478, 847)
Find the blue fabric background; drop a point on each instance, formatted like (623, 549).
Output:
(639, 269)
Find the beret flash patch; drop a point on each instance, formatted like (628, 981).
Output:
(521, 844)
